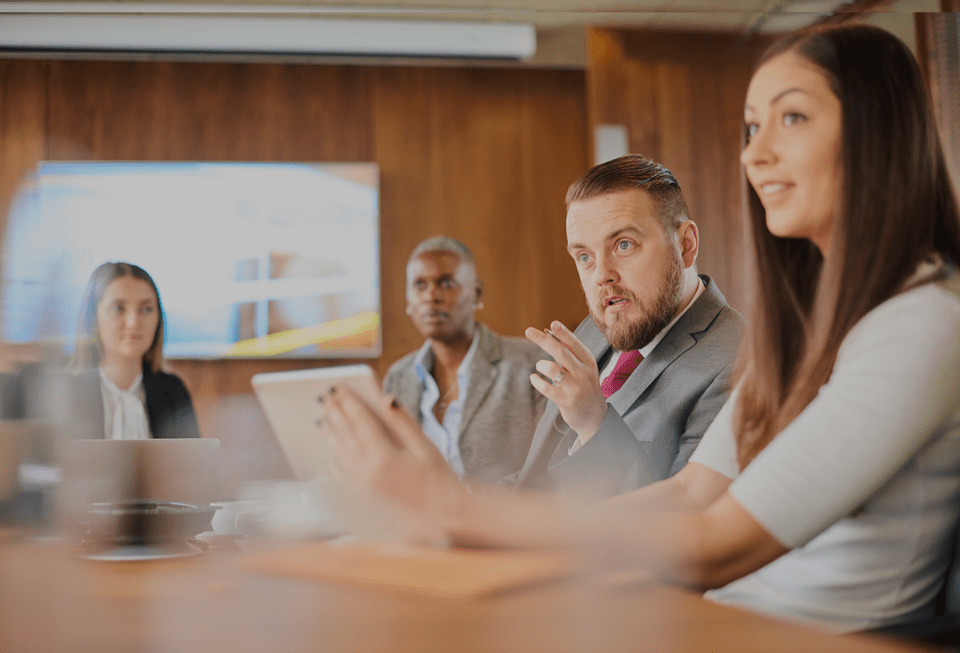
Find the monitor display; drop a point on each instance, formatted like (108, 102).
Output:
(251, 259)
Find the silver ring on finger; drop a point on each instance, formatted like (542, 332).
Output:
(559, 377)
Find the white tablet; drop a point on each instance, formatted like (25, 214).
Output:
(290, 401)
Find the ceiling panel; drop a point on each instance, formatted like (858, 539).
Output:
(559, 23)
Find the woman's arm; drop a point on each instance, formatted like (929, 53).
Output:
(169, 407)
(702, 537)
(695, 487)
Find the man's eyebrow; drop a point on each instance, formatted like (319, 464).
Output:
(428, 277)
(779, 96)
(611, 236)
(622, 230)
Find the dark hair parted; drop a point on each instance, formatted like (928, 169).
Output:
(87, 347)
(629, 172)
(896, 208)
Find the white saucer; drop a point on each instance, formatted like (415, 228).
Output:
(134, 553)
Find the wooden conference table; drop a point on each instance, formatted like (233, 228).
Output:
(52, 601)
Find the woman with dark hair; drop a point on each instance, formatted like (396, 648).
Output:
(827, 489)
(121, 390)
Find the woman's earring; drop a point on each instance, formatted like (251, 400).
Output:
(480, 305)
(409, 310)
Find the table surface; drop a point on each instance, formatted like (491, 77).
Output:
(52, 600)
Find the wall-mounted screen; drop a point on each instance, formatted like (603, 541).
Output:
(251, 259)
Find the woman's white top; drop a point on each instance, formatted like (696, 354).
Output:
(864, 485)
(124, 411)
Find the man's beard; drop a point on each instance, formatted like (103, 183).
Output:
(624, 335)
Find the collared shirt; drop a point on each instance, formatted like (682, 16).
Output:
(445, 436)
(645, 351)
(124, 411)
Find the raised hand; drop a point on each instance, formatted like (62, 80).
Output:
(574, 379)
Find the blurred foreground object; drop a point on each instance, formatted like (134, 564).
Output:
(138, 499)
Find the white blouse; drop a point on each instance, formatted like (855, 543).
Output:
(124, 411)
(863, 486)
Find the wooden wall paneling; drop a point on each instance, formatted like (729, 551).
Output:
(934, 50)
(231, 112)
(22, 129)
(72, 115)
(22, 144)
(676, 114)
(607, 82)
(713, 160)
(486, 188)
(407, 148)
(641, 109)
(523, 211)
(483, 181)
(734, 82)
(556, 151)
(483, 135)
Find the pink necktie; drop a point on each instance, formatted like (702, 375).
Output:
(625, 366)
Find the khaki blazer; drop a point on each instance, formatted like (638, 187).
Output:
(501, 410)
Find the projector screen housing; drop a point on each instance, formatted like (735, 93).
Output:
(70, 33)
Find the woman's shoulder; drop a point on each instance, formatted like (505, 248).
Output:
(162, 379)
(924, 316)
(931, 301)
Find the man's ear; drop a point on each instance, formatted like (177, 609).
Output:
(479, 299)
(688, 237)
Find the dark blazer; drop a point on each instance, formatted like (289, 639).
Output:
(169, 408)
(655, 420)
(501, 409)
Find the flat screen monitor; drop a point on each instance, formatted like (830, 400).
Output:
(251, 259)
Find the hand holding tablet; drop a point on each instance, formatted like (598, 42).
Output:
(294, 407)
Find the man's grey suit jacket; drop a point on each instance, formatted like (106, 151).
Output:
(655, 420)
(502, 407)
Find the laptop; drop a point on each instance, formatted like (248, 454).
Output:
(179, 470)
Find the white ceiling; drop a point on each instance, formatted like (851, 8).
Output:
(559, 23)
(698, 14)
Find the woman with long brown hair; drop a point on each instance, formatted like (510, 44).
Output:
(827, 489)
(120, 390)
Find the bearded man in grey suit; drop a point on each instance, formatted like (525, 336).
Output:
(633, 389)
(467, 386)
